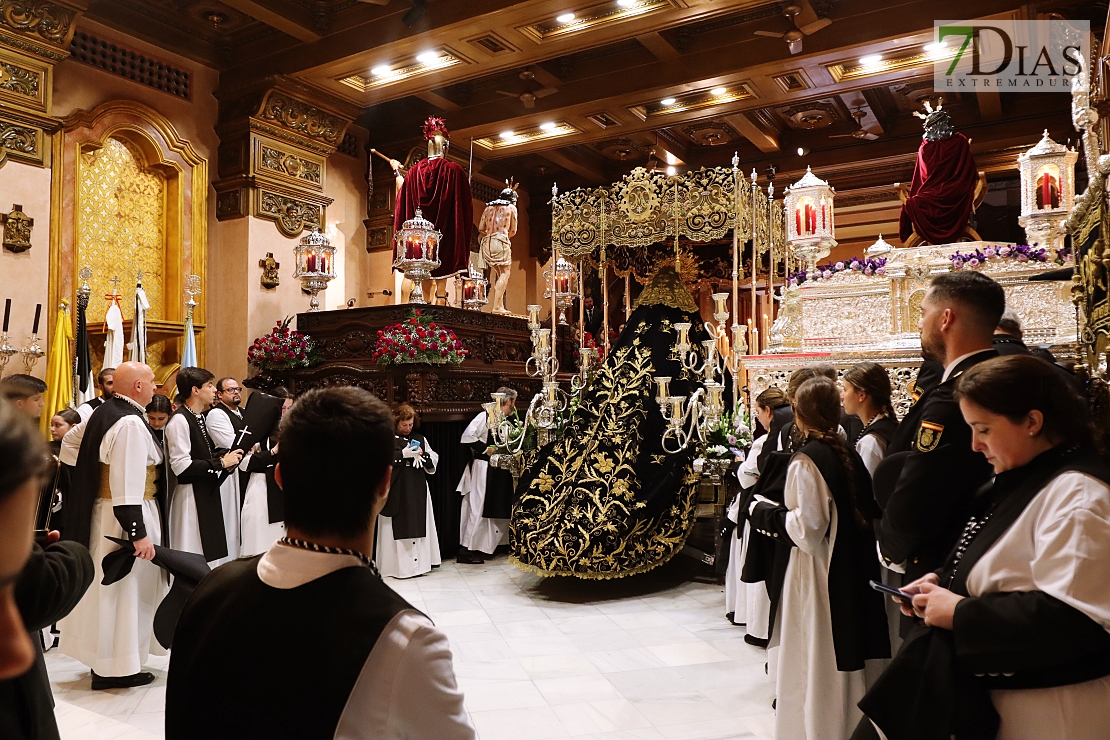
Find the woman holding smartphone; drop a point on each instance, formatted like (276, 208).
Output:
(1021, 609)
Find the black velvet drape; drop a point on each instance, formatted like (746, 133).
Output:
(444, 438)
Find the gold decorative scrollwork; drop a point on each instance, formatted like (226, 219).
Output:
(19, 80)
(18, 139)
(291, 216)
(48, 21)
(291, 165)
(647, 208)
(303, 118)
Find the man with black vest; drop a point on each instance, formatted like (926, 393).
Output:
(929, 473)
(104, 382)
(306, 640)
(203, 518)
(118, 490)
(225, 426)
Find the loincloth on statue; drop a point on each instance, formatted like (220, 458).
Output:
(495, 251)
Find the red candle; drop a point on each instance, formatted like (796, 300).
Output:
(798, 221)
(323, 263)
(468, 291)
(1046, 191)
(823, 226)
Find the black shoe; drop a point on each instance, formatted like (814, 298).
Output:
(99, 683)
(469, 557)
(756, 641)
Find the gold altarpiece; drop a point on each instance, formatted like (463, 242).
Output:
(130, 194)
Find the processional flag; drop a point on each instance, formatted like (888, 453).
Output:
(59, 370)
(85, 388)
(189, 355)
(138, 324)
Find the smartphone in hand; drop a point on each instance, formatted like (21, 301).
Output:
(902, 596)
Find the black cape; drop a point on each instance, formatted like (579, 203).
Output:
(605, 500)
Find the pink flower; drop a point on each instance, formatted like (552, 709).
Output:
(973, 262)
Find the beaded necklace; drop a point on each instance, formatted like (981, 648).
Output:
(305, 545)
(202, 425)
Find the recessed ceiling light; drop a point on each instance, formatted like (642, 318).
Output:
(565, 17)
(871, 60)
(671, 170)
(427, 57)
(506, 135)
(667, 101)
(381, 70)
(802, 151)
(547, 126)
(718, 91)
(626, 3)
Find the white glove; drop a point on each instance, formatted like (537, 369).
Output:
(410, 452)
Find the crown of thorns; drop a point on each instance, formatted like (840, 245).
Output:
(435, 125)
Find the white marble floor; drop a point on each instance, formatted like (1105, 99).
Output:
(646, 657)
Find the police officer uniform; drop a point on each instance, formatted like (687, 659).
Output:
(925, 495)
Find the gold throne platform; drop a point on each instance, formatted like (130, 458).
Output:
(851, 317)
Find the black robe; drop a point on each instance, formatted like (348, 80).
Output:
(407, 505)
(938, 684)
(203, 474)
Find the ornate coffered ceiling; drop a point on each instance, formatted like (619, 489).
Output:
(622, 83)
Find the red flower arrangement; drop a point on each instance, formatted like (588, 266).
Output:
(418, 339)
(283, 349)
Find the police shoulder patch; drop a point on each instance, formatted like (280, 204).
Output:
(928, 436)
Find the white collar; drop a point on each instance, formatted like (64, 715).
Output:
(288, 567)
(952, 365)
(133, 402)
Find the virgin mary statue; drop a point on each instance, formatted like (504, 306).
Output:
(605, 500)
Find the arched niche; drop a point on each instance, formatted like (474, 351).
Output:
(161, 153)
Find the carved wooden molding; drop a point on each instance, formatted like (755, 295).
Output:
(40, 28)
(290, 214)
(24, 142)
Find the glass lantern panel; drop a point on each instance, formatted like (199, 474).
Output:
(1048, 187)
(805, 216)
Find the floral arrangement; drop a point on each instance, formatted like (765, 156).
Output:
(864, 265)
(1020, 253)
(283, 349)
(598, 358)
(730, 438)
(417, 339)
(516, 429)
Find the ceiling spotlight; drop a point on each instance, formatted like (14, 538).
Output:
(565, 18)
(667, 101)
(381, 70)
(626, 3)
(506, 135)
(802, 151)
(871, 60)
(718, 91)
(671, 170)
(549, 126)
(428, 57)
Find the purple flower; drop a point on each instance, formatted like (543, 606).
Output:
(1004, 251)
(881, 270)
(957, 262)
(867, 270)
(838, 266)
(827, 274)
(1023, 257)
(973, 262)
(989, 252)
(854, 265)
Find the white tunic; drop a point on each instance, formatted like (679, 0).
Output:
(1059, 545)
(407, 686)
(747, 602)
(414, 556)
(111, 630)
(871, 447)
(475, 531)
(257, 532)
(815, 700)
(222, 435)
(184, 522)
